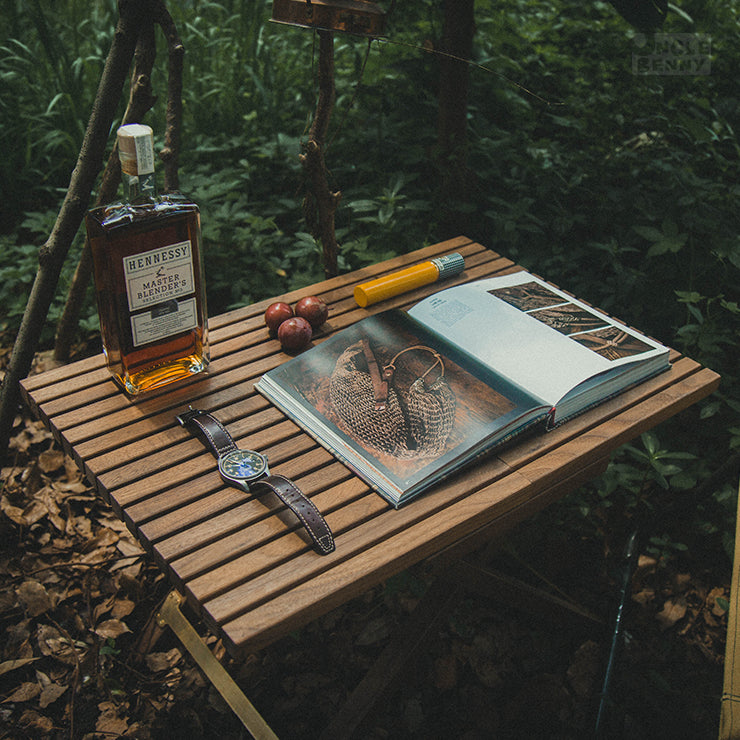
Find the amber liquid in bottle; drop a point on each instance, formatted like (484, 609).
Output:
(150, 290)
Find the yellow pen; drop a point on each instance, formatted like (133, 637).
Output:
(408, 279)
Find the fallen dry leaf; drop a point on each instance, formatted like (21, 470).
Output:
(672, 612)
(681, 582)
(34, 512)
(488, 671)
(111, 521)
(78, 488)
(104, 538)
(643, 597)
(712, 600)
(122, 608)
(44, 360)
(111, 629)
(50, 694)
(646, 562)
(32, 720)
(47, 498)
(158, 662)
(33, 433)
(128, 546)
(53, 644)
(103, 608)
(97, 557)
(34, 598)
(125, 567)
(10, 665)
(18, 641)
(110, 722)
(74, 474)
(79, 526)
(51, 460)
(25, 692)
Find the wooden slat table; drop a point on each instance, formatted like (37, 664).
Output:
(246, 571)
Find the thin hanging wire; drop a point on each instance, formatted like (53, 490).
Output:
(471, 63)
(416, 47)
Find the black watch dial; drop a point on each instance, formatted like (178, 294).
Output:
(243, 465)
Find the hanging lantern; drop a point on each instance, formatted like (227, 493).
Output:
(359, 17)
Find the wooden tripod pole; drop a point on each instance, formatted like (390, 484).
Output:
(321, 202)
(53, 253)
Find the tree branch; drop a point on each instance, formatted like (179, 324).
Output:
(54, 251)
(170, 154)
(141, 100)
(320, 204)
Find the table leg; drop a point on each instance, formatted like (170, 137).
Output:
(729, 725)
(170, 615)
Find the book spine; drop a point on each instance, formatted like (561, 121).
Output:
(604, 399)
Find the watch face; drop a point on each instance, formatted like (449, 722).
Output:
(242, 465)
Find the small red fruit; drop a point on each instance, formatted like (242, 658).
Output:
(313, 309)
(294, 334)
(276, 313)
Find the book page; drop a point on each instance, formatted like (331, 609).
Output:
(386, 397)
(532, 333)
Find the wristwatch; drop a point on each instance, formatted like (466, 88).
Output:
(248, 470)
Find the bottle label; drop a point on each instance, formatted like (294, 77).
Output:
(156, 280)
(163, 321)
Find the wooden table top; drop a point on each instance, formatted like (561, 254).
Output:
(243, 568)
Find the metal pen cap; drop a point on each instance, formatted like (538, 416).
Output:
(449, 265)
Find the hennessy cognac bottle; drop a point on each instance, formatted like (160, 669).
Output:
(148, 275)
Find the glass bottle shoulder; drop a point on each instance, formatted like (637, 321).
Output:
(159, 207)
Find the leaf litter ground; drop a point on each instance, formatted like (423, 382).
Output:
(80, 656)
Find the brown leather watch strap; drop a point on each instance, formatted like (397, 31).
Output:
(208, 429)
(302, 507)
(217, 438)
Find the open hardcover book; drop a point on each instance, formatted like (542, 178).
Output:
(406, 398)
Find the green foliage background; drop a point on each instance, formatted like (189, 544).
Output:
(619, 186)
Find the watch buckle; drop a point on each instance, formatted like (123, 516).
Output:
(186, 416)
